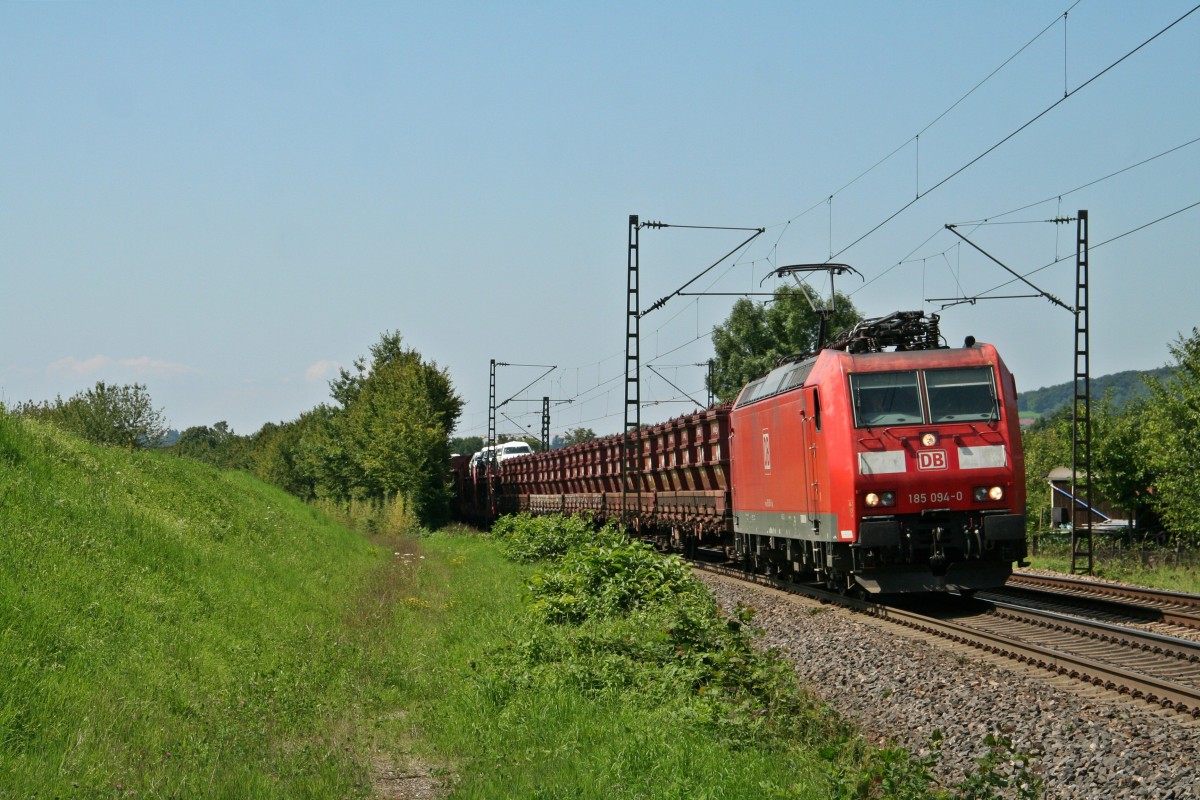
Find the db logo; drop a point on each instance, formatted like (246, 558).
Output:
(931, 459)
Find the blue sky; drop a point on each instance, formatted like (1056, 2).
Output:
(226, 201)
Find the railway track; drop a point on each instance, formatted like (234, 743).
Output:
(1153, 667)
(1171, 613)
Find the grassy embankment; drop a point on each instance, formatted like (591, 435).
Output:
(170, 631)
(167, 630)
(1157, 567)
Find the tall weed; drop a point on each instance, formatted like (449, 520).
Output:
(527, 539)
(390, 517)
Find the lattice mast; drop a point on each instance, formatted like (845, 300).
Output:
(630, 484)
(491, 440)
(1082, 552)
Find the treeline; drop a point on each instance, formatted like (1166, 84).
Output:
(384, 440)
(1121, 389)
(1144, 454)
(380, 447)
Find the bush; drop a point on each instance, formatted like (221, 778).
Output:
(527, 539)
(114, 415)
(612, 615)
(607, 578)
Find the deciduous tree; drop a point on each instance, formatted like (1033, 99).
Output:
(395, 422)
(756, 335)
(1047, 446)
(1121, 473)
(577, 436)
(1169, 432)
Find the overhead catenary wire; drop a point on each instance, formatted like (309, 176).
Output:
(707, 334)
(673, 386)
(661, 302)
(828, 200)
(1144, 226)
(591, 393)
(546, 367)
(992, 218)
(1015, 132)
(1067, 94)
(1041, 292)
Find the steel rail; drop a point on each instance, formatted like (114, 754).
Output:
(1152, 605)
(1098, 607)
(1166, 693)
(1155, 597)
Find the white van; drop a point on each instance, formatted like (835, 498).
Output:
(512, 450)
(504, 451)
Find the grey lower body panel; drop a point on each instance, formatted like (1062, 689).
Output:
(786, 525)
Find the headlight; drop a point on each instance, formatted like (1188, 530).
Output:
(929, 439)
(996, 493)
(983, 493)
(882, 499)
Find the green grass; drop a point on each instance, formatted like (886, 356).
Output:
(504, 727)
(623, 682)
(1156, 567)
(167, 629)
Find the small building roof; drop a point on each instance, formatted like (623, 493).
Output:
(1060, 474)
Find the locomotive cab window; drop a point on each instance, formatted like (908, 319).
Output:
(886, 398)
(958, 395)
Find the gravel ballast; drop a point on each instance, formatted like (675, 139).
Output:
(901, 689)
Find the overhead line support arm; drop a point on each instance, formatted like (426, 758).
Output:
(1010, 271)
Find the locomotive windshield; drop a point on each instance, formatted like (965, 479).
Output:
(894, 398)
(957, 395)
(886, 398)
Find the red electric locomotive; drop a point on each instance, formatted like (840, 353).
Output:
(860, 467)
(897, 471)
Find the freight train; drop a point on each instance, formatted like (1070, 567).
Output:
(884, 463)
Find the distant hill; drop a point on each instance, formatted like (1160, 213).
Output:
(1126, 387)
